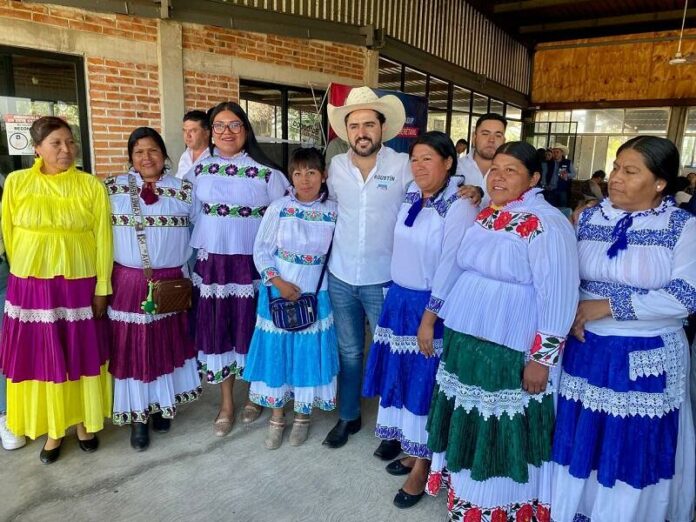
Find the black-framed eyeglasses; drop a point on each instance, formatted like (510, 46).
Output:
(234, 126)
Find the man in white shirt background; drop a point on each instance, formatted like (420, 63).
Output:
(197, 138)
(489, 134)
(368, 182)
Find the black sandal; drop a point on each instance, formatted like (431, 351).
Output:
(397, 468)
(404, 500)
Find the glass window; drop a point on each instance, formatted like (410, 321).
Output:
(35, 84)
(497, 106)
(461, 99)
(480, 104)
(512, 112)
(459, 127)
(389, 74)
(513, 131)
(646, 121)
(414, 82)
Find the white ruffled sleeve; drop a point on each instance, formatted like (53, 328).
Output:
(677, 299)
(461, 215)
(266, 241)
(277, 185)
(553, 258)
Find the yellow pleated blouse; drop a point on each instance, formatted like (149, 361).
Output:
(58, 225)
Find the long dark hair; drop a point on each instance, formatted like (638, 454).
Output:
(251, 145)
(309, 158)
(661, 157)
(440, 143)
(524, 152)
(145, 132)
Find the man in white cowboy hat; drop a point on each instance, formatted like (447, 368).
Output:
(369, 182)
(558, 176)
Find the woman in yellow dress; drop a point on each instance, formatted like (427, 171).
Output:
(56, 223)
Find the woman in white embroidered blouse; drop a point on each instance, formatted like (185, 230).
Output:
(153, 357)
(232, 190)
(624, 438)
(290, 252)
(408, 340)
(506, 317)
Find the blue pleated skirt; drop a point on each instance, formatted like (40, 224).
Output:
(307, 358)
(399, 373)
(618, 409)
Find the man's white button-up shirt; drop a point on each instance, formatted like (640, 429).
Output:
(367, 210)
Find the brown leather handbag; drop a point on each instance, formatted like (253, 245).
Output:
(165, 295)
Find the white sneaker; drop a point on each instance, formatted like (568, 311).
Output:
(10, 441)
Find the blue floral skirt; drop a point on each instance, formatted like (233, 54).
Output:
(399, 373)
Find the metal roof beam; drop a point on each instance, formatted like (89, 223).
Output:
(510, 7)
(610, 21)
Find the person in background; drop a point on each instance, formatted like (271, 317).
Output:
(9, 440)
(408, 340)
(491, 420)
(54, 347)
(335, 147)
(462, 147)
(290, 253)
(153, 357)
(558, 177)
(489, 134)
(196, 130)
(691, 176)
(232, 190)
(623, 444)
(592, 188)
(681, 192)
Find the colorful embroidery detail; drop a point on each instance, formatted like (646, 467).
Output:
(434, 304)
(128, 220)
(308, 215)
(232, 170)
(299, 259)
(183, 194)
(269, 273)
(236, 211)
(547, 349)
(523, 224)
(441, 205)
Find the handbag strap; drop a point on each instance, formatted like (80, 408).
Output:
(139, 226)
(323, 271)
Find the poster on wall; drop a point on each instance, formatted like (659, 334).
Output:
(18, 137)
(416, 114)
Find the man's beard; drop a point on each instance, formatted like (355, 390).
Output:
(368, 152)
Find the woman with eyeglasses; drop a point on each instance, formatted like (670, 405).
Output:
(232, 189)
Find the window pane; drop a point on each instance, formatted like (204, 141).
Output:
(497, 106)
(304, 119)
(438, 93)
(461, 99)
(480, 104)
(599, 121)
(437, 120)
(389, 75)
(646, 121)
(513, 131)
(512, 112)
(459, 126)
(414, 82)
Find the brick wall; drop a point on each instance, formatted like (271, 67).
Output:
(130, 27)
(310, 55)
(123, 96)
(202, 90)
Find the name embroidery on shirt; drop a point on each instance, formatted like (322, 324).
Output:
(523, 224)
(384, 181)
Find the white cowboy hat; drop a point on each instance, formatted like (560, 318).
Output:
(365, 98)
(561, 147)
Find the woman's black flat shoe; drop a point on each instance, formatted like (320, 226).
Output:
(89, 445)
(404, 500)
(140, 437)
(159, 423)
(397, 468)
(50, 456)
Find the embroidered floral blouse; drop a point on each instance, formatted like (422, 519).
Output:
(58, 225)
(514, 280)
(231, 196)
(293, 240)
(651, 285)
(166, 222)
(437, 230)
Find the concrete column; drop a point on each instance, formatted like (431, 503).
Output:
(170, 58)
(371, 74)
(677, 123)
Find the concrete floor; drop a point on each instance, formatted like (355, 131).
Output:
(189, 474)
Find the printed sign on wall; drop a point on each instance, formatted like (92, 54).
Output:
(18, 137)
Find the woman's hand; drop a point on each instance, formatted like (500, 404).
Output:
(426, 333)
(535, 377)
(99, 303)
(474, 193)
(287, 290)
(589, 311)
